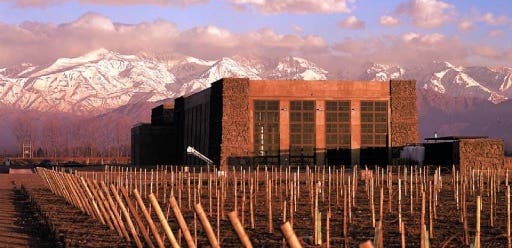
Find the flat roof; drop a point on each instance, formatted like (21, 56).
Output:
(457, 137)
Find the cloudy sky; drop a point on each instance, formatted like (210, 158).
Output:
(325, 31)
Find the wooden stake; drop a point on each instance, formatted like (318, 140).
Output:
(478, 208)
(290, 236)
(163, 221)
(127, 217)
(137, 218)
(206, 225)
(239, 229)
(148, 218)
(508, 216)
(181, 222)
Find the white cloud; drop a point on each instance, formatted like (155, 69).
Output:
(495, 33)
(388, 21)
(296, 6)
(426, 39)
(297, 28)
(465, 25)
(46, 3)
(43, 43)
(351, 22)
(427, 13)
(491, 19)
(408, 49)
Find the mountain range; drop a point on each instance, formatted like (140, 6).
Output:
(104, 85)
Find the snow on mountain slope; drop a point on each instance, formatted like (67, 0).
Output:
(103, 80)
(297, 68)
(494, 85)
(92, 83)
(382, 72)
(225, 67)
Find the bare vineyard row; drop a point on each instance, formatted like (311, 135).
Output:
(330, 206)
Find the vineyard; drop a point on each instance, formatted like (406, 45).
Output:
(170, 206)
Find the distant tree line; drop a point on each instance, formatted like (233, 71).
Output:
(59, 136)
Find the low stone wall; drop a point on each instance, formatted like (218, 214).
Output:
(481, 153)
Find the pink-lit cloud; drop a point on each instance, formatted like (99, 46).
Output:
(389, 21)
(465, 25)
(485, 51)
(297, 28)
(351, 22)
(427, 13)
(46, 3)
(295, 6)
(495, 33)
(408, 48)
(491, 19)
(42, 43)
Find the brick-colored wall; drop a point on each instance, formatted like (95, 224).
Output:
(235, 120)
(481, 153)
(404, 113)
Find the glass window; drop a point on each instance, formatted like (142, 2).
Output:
(374, 123)
(337, 124)
(302, 132)
(266, 130)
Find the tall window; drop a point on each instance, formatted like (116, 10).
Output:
(266, 131)
(374, 123)
(302, 132)
(337, 124)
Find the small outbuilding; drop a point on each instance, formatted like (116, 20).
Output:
(464, 152)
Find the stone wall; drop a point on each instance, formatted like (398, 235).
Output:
(481, 153)
(235, 121)
(404, 113)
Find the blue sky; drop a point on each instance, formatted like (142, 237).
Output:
(478, 31)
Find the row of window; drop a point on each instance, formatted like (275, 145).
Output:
(302, 126)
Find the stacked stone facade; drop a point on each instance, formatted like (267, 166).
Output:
(404, 113)
(235, 121)
(481, 153)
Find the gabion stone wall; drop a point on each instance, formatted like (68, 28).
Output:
(235, 121)
(404, 113)
(481, 153)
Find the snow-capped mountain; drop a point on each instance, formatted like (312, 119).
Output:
(382, 72)
(297, 68)
(92, 83)
(225, 67)
(103, 80)
(492, 84)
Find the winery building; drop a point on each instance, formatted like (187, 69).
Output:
(238, 121)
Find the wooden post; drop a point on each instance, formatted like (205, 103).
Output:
(402, 234)
(137, 218)
(99, 201)
(148, 218)
(206, 225)
(181, 222)
(478, 209)
(508, 215)
(422, 221)
(290, 236)
(328, 228)
(114, 211)
(239, 229)
(163, 221)
(127, 217)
